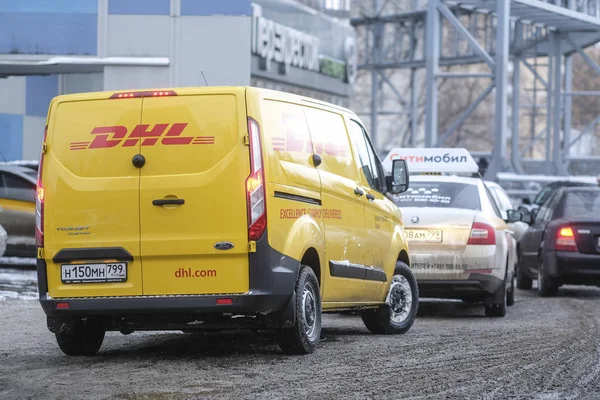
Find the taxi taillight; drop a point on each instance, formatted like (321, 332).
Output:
(255, 185)
(482, 234)
(39, 197)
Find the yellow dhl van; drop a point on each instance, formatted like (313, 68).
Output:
(210, 208)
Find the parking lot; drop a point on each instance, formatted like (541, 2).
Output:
(542, 349)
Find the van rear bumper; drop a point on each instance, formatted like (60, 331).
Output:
(245, 304)
(271, 297)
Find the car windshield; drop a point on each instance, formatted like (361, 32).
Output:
(582, 205)
(440, 195)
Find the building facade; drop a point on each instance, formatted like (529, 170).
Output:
(48, 48)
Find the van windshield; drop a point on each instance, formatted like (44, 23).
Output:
(440, 195)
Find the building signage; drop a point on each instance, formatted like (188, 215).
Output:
(288, 47)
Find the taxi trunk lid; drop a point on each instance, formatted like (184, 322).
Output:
(443, 231)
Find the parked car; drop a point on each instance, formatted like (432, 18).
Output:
(17, 198)
(546, 192)
(505, 205)
(562, 245)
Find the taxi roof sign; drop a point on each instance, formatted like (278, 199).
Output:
(442, 160)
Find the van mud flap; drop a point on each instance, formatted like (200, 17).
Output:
(285, 318)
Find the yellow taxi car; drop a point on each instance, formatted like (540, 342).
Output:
(461, 244)
(17, 202)
(208, 208)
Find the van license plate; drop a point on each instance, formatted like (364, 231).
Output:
(424, 235)
(94, 273)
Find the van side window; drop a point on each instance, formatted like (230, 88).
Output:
(286, 132)
(369, 163)
(330, 141)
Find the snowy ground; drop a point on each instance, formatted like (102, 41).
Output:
(18, 284)
(21, 262)
(545, 348)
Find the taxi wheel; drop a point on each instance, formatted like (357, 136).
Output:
(402, 303)
(80, 338)
(497, 308)
(523, 281)
(303, 337)
(510, 295)
(546, 285)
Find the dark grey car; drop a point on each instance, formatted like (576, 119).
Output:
(17, 200)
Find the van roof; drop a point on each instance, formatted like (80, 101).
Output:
(191, 90)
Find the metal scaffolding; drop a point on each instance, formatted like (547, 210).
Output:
(505, 36)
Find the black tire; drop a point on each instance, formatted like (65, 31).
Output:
(80, 338)
(523, 281)
(303, 337)
(380, 320)
(496, 310)
(510, 295)
(547, 287)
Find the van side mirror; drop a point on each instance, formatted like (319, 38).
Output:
(399, 180)
(514, 216)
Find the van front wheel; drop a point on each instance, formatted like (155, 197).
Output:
(304, 335)
(400, 309)
(80, 338)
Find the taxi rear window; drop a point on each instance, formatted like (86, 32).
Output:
(440, 195)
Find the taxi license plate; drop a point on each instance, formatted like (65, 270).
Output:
(94, 273)
(424, 235)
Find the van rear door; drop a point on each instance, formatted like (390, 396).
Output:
(91, 202)
(194, 229)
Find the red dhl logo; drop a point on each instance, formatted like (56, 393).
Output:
(113, 136)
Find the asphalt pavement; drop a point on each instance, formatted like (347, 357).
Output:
(544, 349)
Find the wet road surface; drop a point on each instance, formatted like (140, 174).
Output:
(543, 349)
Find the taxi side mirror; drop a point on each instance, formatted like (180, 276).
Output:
(399, 180)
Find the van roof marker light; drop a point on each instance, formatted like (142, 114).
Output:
(149, 93)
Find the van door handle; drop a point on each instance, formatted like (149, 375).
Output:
(370, 196)
(164, 202)
(358, 192)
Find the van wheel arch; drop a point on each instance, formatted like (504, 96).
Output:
(311, 259)
(403, 257)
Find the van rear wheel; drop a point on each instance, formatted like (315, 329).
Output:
(304, 335)
(398, 314)
(80, 338)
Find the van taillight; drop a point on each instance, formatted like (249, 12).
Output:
(255, 185)
(482, 234)
(39, 197)
(565, 240)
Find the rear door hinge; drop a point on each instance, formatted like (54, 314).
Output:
(40, 253)
(247, 140)
(252, 246)
(44, 147)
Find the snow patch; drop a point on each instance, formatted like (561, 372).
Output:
(18, 261)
